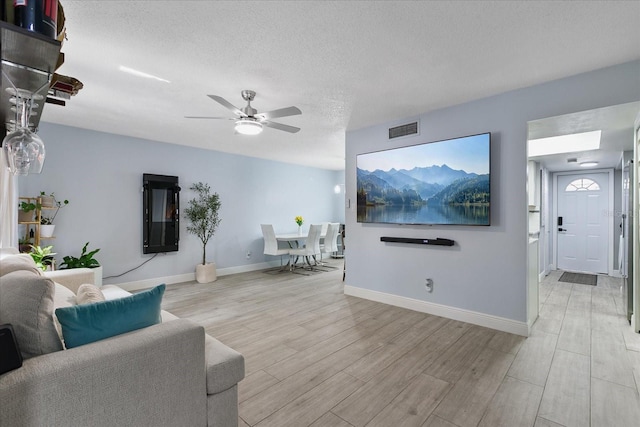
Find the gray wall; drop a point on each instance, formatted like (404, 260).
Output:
(485, 271)
(101, 175)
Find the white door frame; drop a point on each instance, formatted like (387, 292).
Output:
(635, 258)
(552, 222)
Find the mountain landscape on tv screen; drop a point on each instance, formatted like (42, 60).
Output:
(432, 185)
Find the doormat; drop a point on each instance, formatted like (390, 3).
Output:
(580, 278)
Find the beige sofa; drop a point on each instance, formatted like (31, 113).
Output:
(168, 374)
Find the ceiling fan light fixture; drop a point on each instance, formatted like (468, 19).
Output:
(248, 127)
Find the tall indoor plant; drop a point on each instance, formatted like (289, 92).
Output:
(203, 216)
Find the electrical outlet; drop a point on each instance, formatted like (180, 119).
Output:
(429, 285)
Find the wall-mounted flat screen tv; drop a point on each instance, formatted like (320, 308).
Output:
(435, 183)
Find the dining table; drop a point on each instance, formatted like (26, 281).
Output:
(295, 239)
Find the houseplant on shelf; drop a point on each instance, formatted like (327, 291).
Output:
(47, 200)
(202, 214)
(26, 211)
(47, 226)
(24, 245)
(86, 260)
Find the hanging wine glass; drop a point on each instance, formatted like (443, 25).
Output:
(23, 149)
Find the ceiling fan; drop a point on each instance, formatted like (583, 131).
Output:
(248, 120)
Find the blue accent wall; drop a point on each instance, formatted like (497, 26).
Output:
(101, 175)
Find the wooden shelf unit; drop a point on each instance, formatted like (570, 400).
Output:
(36, 223)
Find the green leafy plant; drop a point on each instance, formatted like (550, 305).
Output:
(203, 213)
(56, 204)
(43, 257)
(86, 259)
(29, 206)
(45, 220)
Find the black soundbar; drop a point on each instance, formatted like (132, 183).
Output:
(437, 241)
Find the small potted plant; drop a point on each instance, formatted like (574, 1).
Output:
(52, 203)
(24, 245)
(26, 211)
(47, 200)
(43, 257)
(202, 213)
(86, 260)
(46, 226)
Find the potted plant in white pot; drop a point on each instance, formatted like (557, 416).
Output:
(47, 227)
(86, 260)
(202, 214)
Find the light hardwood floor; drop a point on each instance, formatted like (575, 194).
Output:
(315, 357)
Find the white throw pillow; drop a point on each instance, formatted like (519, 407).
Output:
(89, 293)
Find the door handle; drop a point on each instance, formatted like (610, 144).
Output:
(562, 229)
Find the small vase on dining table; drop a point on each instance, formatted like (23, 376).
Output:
(299, 230)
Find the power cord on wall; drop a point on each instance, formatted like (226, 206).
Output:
(134, 268)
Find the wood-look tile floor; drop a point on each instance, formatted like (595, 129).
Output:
(315, 357)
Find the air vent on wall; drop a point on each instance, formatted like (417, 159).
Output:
(572, 160)
(403, 130)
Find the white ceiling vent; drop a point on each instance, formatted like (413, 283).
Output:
(403, 130)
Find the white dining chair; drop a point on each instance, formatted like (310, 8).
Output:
(271, 245)
(330, 244)
(310, 249)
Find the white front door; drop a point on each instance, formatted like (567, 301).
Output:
(582, 222)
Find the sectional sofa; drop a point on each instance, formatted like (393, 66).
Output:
(168, 374)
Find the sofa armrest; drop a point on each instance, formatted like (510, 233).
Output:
(152, 376)
(72, 278)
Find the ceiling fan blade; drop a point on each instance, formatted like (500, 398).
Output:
(282, 112)
(228, 105)
(280, 126)
(201, 117)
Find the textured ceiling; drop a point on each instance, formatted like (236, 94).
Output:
(615, 123)
(345, 64)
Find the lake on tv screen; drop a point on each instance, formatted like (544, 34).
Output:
(423, 214)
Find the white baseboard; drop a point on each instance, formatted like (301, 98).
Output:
(541, 276)
(190, 277)
(480, 319)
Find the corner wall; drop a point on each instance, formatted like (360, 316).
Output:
(483, 278)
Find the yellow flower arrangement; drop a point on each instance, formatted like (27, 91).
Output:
(299, 220)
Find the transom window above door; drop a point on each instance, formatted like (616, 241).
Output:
(582, 184)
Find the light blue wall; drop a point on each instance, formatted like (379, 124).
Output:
(485, 271)
(101, 175)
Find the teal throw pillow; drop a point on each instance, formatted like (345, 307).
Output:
(86, 323)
